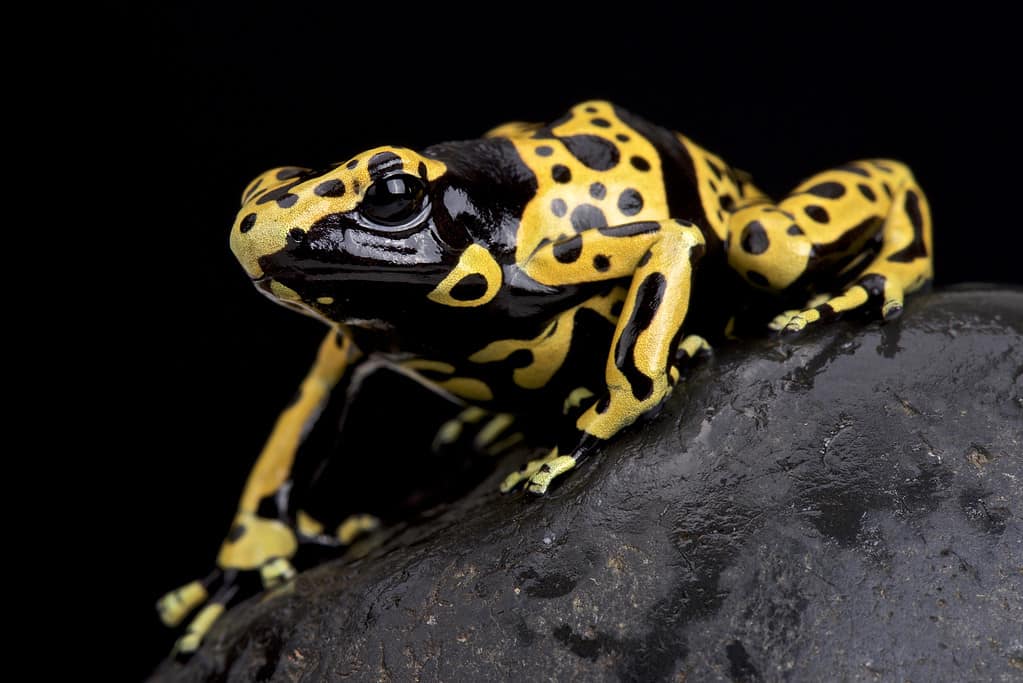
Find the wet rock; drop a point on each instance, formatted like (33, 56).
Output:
(843, 505)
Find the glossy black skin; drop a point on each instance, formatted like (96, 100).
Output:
(385, 278)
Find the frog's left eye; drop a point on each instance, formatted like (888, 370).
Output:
(394, 203)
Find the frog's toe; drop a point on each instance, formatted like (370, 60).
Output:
(692, 346)
(542, 479)
(782, 319)
(892, 309)
(276, 572)
(527, 471)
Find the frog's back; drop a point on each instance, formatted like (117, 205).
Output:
(600, 165)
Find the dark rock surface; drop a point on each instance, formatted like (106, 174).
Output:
(843, 505)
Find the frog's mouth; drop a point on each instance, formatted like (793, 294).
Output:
(284, 296)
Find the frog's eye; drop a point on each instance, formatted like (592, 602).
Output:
(394, 202)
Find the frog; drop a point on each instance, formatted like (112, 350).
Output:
(546, 270)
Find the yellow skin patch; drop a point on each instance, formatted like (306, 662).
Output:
(587, 217)
(550, 347)
(475, 260)
(539, 223)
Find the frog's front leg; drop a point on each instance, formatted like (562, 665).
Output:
(867, 217)
(259, 541)
(659, 256)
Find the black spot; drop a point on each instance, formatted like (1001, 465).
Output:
(721, 215)
(287, 200)
(587, 216)
(715, 169)
(469, 288)
(754, 238)
(622, 137)
(545, 150)
(569, 250)
(649, 295)
(727, 202)
(818, 213)
(297, 234)
(236, 532)
(616, 308)
(881, 167)
(558, 207)
(756, 278)
(520, 358)
(601, 262)
(422, 170)
(561, 174)
(867, 192)
(887, 189)
(247, 223)
(795, 230)
(913, 210)
(598, 190)
(290, 172)
(604, 403)
(630, 229)
(356, 186)
(916, 248)
(590, 110)
(630, 202)
(383, 162)
(645, 259)
(279, 193)
(639, 163)
(593, 151)
(601, 123)
(851, 168)
(713, 186)
(330, 188)
(829, 190)
(351, 165)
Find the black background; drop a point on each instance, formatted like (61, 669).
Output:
(208, 98)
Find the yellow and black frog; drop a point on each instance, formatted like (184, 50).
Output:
(541, 270)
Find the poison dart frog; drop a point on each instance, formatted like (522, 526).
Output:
(538, 270)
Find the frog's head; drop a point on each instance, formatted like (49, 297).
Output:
(360, 240)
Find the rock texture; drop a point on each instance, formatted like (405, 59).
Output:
(842, 505)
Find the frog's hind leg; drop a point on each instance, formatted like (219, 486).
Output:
(867, 222)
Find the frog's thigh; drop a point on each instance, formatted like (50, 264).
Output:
(829, 226)
(659, 257)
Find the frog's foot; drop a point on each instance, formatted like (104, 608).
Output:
(355, 527)
(539, 473)
(688, 349)
(856, 297)
(204, 620)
